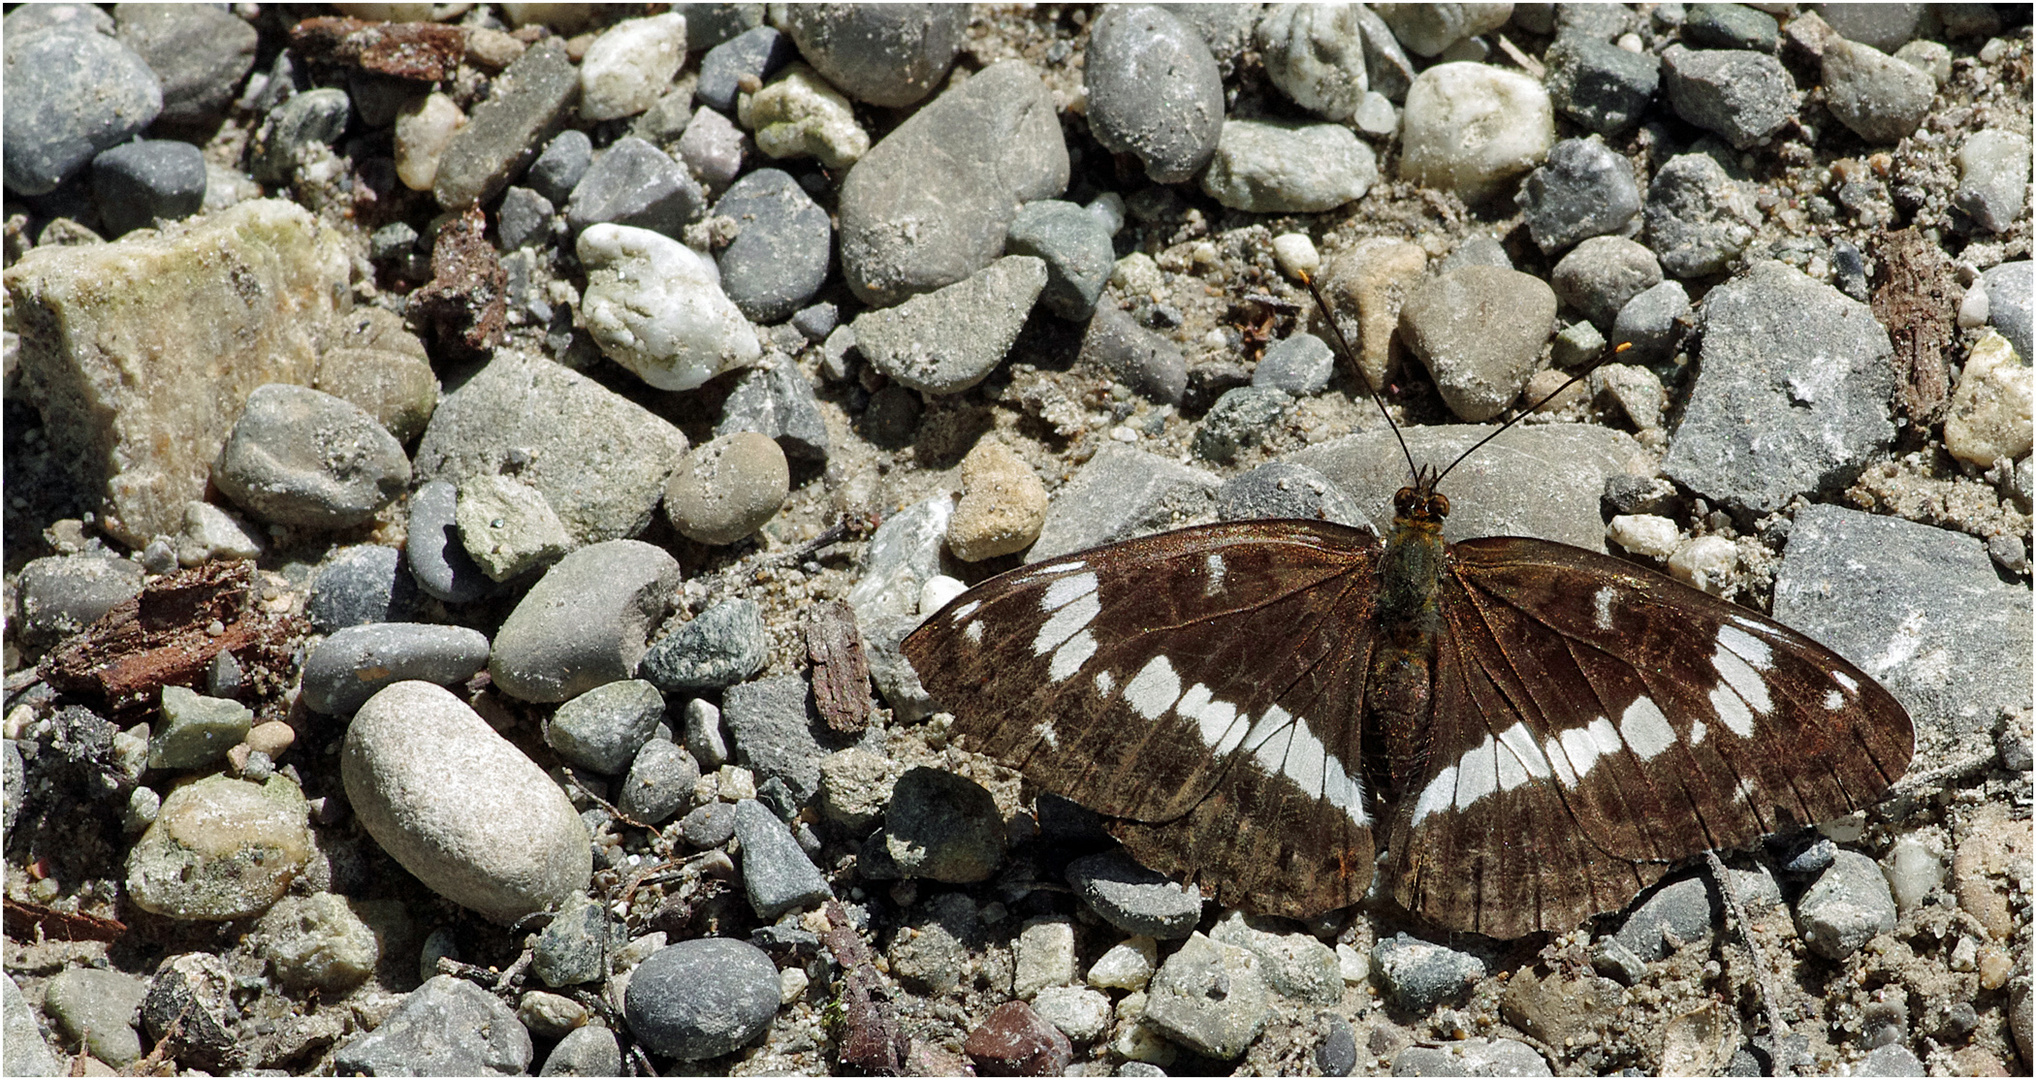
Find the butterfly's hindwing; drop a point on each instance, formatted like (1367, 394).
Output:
(1201, 688)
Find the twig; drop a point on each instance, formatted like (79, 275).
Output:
(1777, 1028)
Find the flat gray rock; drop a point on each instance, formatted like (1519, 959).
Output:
(948, 340)
(349, 667)
(585, 622)
(447, 1027)
(1209, 998)
(1122, 493)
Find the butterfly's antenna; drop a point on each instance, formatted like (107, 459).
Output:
(1522, 414)
(1351, 355)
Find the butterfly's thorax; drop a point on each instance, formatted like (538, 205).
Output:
(1399, 687)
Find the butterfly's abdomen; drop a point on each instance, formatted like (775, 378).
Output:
(1399, 693)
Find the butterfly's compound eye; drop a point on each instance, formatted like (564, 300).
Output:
(1438, 506)
(1406, 501)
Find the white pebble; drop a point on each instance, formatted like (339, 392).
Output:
(1353, 964)
(656, 307)
(1645, 534)
(1974, 309)
(630, 66)
(1127, 965)
(937, 592)
(1705, 562)
(423, 130)
(1473, 128)
(1296, 254)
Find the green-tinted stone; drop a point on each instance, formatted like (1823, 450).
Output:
(196, 730)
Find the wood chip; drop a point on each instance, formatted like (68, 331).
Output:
(841, 670)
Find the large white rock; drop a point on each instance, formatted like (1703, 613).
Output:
(656, 307)
(1473, 129)
(459, 806)
(630, 66)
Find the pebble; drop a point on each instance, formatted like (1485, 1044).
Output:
(63, 594)
(1993, 181)
(319, 942)
(220, 849)
(212, 533)
(720, 647)
(1652, 323)
(193, 989)
(1239, 420)
(507, 527)
(1730, 26)
(559, 169)
(1386, 66)
(2009, 288)
(1278, 166)
(1284, 489)
(656, 307)
(1582, 190)
(1081, 1014)
(758, 52)
(713, 147)
(1600, 275)
(890, 56)
(1479, 330)
(904, 552)
(1299, 365)
(1429, 30)
(524, 220)
(271, 737)
(634, 184)
(1014, 1040)
(799, 115)
(773, 722)
(23, 1051)
(627, 68)
(584, 1051)
(773, 399)
(524, 103)
(1002, 505)
(459, 806)
(438, 559)
(1076, 249)
(424, 129)
(1682, 911)
(1510, 112)
(1210, 998)
(1418, 975)
(1336, 1055)
(943, 827)
(1138, 901)
(360, 584)
(1929, 57)
(96, 1008)
(548, 1015)
(1374, 279)
(1149, 364)
(300, 457)
(1991, 406)
(1742, 96)
(585, 622)
(199, 53)
(196, 730)
(299, 132)
(1154, 91)
(702, 998)
(1121, 493)
(1699, 219)
(948, 340)
(1295, 964)
(1127, 965)
(1848, 905)
(1315, 55)
(71, 94)
(1882, 99)
(136, 184)
(1042, 956)
(604, 728)
(447, 1027)
(780, 257)
(1601, 87)
(1296, 255)
(571, 950)
(930, 205)
(1747, 436)
(346, 669)
(660, 781)
(727, 489)
(1914, 871)
(708, 826)
(1472, 1057)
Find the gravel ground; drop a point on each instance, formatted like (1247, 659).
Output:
(646, 459)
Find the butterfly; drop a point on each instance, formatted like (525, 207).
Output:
(1533, 733)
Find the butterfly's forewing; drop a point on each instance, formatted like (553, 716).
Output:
(1596, 723)
(1201, 688)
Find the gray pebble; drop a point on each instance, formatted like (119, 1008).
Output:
(1699, 219)
(634, 183)
(1315, 55)
(728, 488)
(1240, 419)
(1336, 1054)
(508, 527)
(1386, 66)
(708, 826)
(438, 560)
(776, 874)
(584, 623)
(1993, 182)
(585, 1051)
(571, 949)
(136, 184)
(558, 170)
(1477, 249)
(1682, 911)
(63, 594)
(780, 257)
(948, 340)
(1154, 91)
(759, 52)
(1277, 166)
(2009, 288)
(891, 54)
(1742, 96)
(301, 457)
(1577, 344)
(774, 399)
(720, 647)
(27, 19)
(532, 97)
(1134, 899)
(1846, 907)
(1419, 975)
(196, 730)
(1890, 1060)
(296, 131)
(1210, 998)
(346, 669)
(816, 322)
(1651, 322)
(199, 52)
(943, 827)
(524, 220)
(1149, 364)
(1600, 86)
(1121, 493)
(901, 555)
(1747, 436)
(193, 988)
(1582, 190)
(70, 95)
(24, 1051)
(1076, 249)
(603, 728)
(1730, 26)
(713, 147)
(1300, 365)
(1886, 27)
(1882, 99)
(702, 998)
(666, 121)
(660, 781)
(1599, 276)
(1479, 330)
(1282, 489)
(16, 776)
(772, 723)
(360, 584)
(703, 733)
(1472, 1057)
(447, 1027)
(1292, 962)
(96, 1008)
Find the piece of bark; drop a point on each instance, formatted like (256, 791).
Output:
(841, 669)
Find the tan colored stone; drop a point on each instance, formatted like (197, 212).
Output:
(1992, 846)
(379, 365)
(1991, 408)
(1002, 507)
(220, 849)
(1372, 281)
(140, 352)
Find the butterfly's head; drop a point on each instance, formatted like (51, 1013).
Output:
(1420, 503)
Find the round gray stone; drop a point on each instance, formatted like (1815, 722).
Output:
(352, 665)
(301, 457)
(63, 594)
(1582, 190)
(136, 184)
(943, 827)
(1134, 899)
(70, 95)
(447, 1027)
(660, 781)
(885, 54)
(1743, 96)
(720, 647)
(1154, 91)
(1479, 331)
(1285, 167)
(1077, 251)
(1600, 275)
(603, 728)
(585, 622)
(1699, 219)
(702, 998)
(779, 259)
